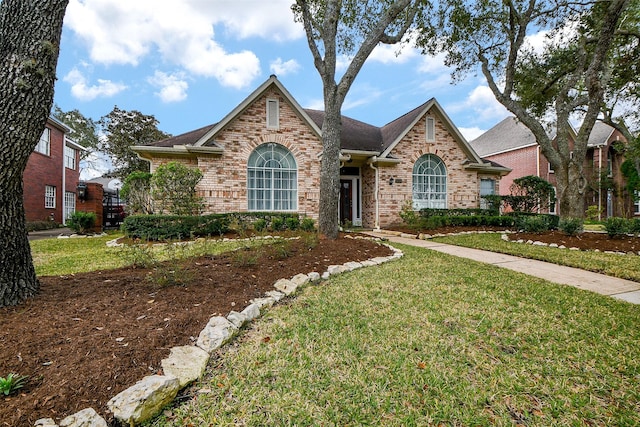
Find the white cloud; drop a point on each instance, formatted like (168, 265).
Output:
(281, 68)
(393, 53)
(471, 133)
(124, 32)
(482, 104)
(173, 87)
(82, 91)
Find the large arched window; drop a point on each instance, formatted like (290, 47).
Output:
(429, 183)
(272, 179)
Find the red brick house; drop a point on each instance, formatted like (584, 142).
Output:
(512, 144)
(51, 176)
(265, 156)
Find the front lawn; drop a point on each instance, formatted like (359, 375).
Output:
(427, 340)
(622, 266)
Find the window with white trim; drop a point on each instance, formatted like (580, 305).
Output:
(273, 114)
(272, 179)
(636, 203)
(429, 183)
(552, 202)
(69, 157)
(487, 188)
(431, 129)
(44, 145)
(69, 204)
(49, 197)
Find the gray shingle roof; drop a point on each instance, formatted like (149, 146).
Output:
(599, 134)
(507, 135)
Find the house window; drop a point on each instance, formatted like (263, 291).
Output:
(552, 202)
(429, 183)
(636, 203)
(44, 145)
(550, 167)
(487, 188)
(69, 204)
(272, 179)
(273, 114)
(49, 197)
(69, 158)
(431, 129)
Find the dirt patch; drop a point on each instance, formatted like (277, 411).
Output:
(86, 337)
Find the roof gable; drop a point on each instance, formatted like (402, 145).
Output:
(508, 135)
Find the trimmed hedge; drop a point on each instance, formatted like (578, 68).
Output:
(431, 222)
(431, 212)
(174, 227)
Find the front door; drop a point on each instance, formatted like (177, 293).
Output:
(346, 201)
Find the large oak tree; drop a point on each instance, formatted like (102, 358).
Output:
(569, 77)
(353, 28)
(29, 43)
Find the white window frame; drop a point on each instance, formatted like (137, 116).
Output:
(430, 129)
(49, 197)
(272, 179)
(553, 207)
(636, 203)
(483, 202)
(70, 157)
(273, 113)
(44, 144)
(429, 183)
(69, 204)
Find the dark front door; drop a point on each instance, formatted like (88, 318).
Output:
(346, 201)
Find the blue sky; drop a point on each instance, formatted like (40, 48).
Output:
(190, 62)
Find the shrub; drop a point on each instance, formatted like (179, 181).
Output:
(616, 227)
(12, 383)
(81, 222)
(260, 225)
(173, 188)
(307, 224)
(292, 223)
(634, 226)
(409, 216)
(172, 227)
(592, 213)
(532, 223)
(571, 226)
(277, 224)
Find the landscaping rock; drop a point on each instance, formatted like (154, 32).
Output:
(85, 418)
(314, 276)
(45, 422)
(300, 279)
(336, 269)
(186, 363)
(266, 302)
(238, 319)
(276, 295)
(352, 265)
(217, 332)
(251, 312)
(145, 399)
(325, 275)
(285, 286)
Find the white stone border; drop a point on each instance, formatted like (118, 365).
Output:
(555, 245)
(185, 364)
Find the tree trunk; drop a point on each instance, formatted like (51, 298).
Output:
(29, 42)
(571, 191)
(330, 171)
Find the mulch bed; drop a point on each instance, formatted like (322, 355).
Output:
(86, 337)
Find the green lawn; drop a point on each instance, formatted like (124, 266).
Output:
(427, 340)
(625, 267)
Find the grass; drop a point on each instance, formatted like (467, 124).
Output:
(427, 341)
(624, 267)
(53, 257)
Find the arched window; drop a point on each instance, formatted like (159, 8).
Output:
(272, 179)
(429, 183)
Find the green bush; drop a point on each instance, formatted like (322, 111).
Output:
(41, 225)
(12, 383)
(571, 226)
(277, 224)
(532, 223)
(81, 222)
(634, 226)
(292, 223)
(616, 227)
(592, 213)
(260, 225)
(172, 227)
(307, 224)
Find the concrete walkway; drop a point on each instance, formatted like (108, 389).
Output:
(626, 290)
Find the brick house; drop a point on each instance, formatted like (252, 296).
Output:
(512, 144)
(265, 156)
(51, 176)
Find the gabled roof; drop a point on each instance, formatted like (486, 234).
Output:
(600, 134)
(508, 135)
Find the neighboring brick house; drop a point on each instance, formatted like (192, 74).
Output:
(265, 156)
(513, 145)
(51, 176)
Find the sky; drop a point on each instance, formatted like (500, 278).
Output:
(190, 62)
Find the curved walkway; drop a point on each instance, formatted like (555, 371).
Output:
(626, 290)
